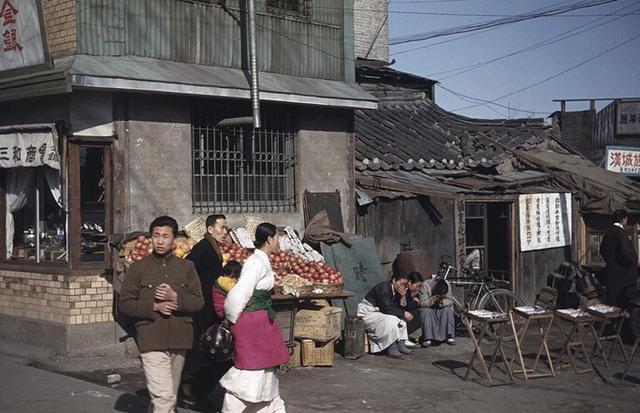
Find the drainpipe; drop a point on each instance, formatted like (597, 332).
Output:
(253, 63)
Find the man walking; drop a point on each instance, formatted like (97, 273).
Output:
(622, 262)
(200, 374)
(161, 293)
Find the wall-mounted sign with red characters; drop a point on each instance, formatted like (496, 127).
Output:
(623, 159)
(23, 43)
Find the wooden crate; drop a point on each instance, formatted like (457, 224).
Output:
(317, 353)
(322, 324)
(294, 358)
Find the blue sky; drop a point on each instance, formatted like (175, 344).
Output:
(615, 74)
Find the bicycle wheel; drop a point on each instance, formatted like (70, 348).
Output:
(502, 301)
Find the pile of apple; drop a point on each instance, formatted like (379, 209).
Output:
(141, 248)
(286, 262)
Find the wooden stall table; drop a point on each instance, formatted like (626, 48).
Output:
(576, 320)
(497, 322)
(606, 315)
(544, 319)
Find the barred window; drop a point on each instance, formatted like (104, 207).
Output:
(239, 169)
(300, 8)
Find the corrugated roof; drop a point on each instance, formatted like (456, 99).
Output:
(414, 134)
(162, 76)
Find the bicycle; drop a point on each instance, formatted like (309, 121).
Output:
(481, 293)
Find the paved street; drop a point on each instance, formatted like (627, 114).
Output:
(428, 380)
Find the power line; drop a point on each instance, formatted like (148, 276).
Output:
(487, 103)
(562, 36)
(496, 22)
(582, 63)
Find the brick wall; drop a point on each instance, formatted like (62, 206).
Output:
(60, 22)
(370, 20)
(55, 298)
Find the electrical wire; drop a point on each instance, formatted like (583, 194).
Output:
(496, 22)
(487, 103)
(582, 63)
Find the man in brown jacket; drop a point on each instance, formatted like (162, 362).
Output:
(162, 292)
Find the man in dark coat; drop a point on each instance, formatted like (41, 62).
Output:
(200, 373)
(622, 263)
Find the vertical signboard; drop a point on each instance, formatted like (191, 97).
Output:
(23, 41)
(545, 221)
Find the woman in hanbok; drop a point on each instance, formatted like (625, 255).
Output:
(251, 384)
(385, 311)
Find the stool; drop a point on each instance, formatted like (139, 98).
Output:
(544, 319)
(608, 315)
(496, 321)
(630, 362)
(577, 321)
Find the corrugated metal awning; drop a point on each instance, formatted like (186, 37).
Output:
(132, 73)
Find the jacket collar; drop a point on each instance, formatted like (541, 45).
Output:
(162, 259)
(619, 225)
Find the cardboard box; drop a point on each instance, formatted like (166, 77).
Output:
(323, 324)
(316, 353)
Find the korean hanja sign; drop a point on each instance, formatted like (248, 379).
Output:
(624, 160)
(545, 221)
(22, 40)
(628, 118)
(28, 149)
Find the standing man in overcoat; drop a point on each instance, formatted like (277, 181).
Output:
(200, 375)
(622, 263)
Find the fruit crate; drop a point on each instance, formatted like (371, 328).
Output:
(317, 353)
(321, 324)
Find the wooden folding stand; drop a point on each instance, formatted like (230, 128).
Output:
(615, 318)
(498, 323)
(544, 321)
(574, 339)
(631, 356)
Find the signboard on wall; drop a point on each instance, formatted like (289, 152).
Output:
(23, 42)
(628, 118)
(545, 221)
(623, 159)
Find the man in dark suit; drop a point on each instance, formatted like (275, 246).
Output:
(201, 374)
(622, 263)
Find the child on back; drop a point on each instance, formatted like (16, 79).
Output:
(224, 284)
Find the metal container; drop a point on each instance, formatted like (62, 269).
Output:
(413, 260)
(354, 331)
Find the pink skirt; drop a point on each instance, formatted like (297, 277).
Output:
(258, 342)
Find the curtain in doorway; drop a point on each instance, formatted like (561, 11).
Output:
(19, 189)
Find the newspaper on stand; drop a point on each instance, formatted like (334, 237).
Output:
(603, 308)
(531, 310)
(574, 312)
(489, 315)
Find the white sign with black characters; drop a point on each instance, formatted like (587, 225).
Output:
(30, 149)
(628, 118)
(22, 40)
(545, 221)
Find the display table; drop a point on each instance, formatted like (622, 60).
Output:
(544, 320)
(498, 323)
(605, 315)
(574, 322)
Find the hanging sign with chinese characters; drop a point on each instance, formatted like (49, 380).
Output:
(28, 149)
(623, 160)
(628, 118)
(545, 221)
(22, 41)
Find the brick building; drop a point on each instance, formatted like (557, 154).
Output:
(128, 101)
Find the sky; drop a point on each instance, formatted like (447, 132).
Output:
(614, 74)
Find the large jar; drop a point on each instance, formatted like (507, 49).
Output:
(413, 260)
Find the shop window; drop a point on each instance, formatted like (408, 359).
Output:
(36, 220)
(239, 169)
(93, 199)
(476, 230)
(300, 8)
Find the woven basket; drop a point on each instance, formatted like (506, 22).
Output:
(196, 228)
(329, 288)
(251, 223)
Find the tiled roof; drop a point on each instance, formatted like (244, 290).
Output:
(411, 133)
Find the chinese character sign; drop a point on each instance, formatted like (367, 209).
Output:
(545, 221)
(22, 41)
(628, 119)
(28, 150)
(624, 160)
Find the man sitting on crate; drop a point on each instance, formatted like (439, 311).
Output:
(201, 375)
(385, 316)
(436, 312)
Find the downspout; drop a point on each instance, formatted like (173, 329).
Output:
(253, 64)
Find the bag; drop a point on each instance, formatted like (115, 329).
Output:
(217, 342)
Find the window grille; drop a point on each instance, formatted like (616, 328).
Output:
(239, 169)
(300, 8)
